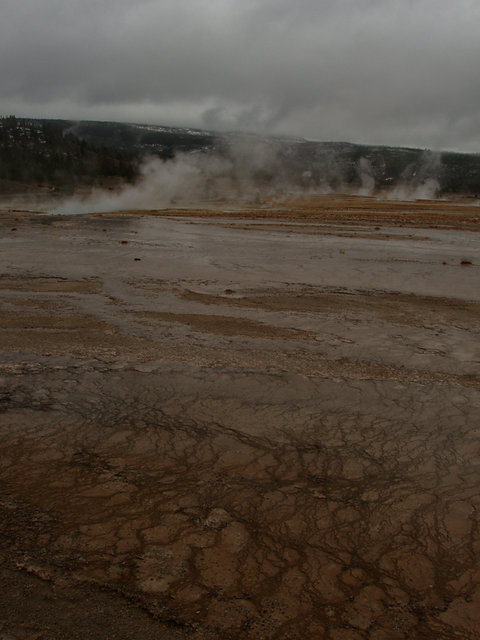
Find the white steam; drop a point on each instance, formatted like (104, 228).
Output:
(247, 172)
(427, 190)
(367, 180)
(159, 185)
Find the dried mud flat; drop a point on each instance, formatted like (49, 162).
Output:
(248, 424)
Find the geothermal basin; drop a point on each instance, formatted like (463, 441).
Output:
(242, 425)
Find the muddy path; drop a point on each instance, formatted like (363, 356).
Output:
(226, 430)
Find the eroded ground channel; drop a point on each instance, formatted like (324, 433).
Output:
(233, 429)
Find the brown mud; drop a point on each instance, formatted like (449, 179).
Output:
(241, 428)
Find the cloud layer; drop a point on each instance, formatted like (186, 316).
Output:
(399, 72)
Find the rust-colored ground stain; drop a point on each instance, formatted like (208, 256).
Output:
(205, 444)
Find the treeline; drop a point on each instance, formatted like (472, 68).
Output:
(165, 142)
(43, 153)
(343, 164)
(66, 154)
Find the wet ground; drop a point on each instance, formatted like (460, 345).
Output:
(224, 427)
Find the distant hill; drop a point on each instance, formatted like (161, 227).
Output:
(64, 152)
(43, 152)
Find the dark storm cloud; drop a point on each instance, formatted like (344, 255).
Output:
(392, 72)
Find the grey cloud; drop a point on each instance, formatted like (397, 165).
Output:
(391, 72)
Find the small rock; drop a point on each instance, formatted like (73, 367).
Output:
(217, 519)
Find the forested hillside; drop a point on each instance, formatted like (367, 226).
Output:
(42, 153)
(66, 154)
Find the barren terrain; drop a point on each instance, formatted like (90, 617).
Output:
(241, 423)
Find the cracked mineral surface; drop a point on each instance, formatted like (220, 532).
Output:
(240, 428)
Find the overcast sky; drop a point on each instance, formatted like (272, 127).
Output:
(399, 72)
